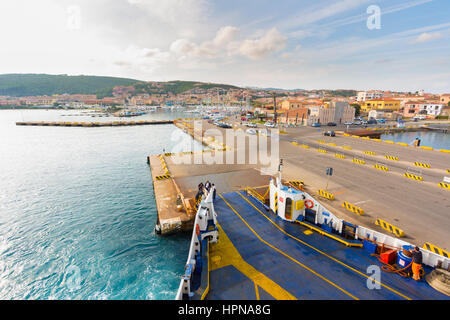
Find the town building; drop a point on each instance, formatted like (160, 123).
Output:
(336, 111)
(382, 103)
(368, 95)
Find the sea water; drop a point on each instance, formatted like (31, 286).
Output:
(77, 210)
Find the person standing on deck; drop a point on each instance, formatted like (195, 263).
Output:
(214, 192)
(417, 263)
(208, 185)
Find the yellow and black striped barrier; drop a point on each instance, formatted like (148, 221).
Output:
(322, 150)
(163, 177)
(359, 161)
(380, 167)
(413, 176)
(325, 194)
(276, 202)
(353, 208)
(370, 153)
(394, 158)
(430, 247)
(389, 227)
(296, 183)
(421, 164)
(339, 155)
(444, 185)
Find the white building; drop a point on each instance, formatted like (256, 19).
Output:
(337, 112)
(369, 95)
(432, 109)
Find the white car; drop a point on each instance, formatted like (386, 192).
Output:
(251, 125)
(270, 125)
(251, 131)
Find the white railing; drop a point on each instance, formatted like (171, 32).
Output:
(206, 216)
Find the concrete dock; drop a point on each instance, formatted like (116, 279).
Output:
(420, 208)
(92, 124)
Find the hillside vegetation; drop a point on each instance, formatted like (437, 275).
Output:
(20, 85)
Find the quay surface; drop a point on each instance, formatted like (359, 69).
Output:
(420, 208)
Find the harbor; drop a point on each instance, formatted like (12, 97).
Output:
(358, 178)
(241, 210)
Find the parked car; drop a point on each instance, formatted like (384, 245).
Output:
(270, 125)
(251, 125)
(264, 132)
(348, 123)
(357, 123)
(372, 121)
(250, 131)
(316, 124)
(331, 124)
(420, 117)
(329, 133)
(381, 120)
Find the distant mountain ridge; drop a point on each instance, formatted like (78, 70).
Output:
(20, 85)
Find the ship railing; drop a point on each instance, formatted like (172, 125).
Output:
(205, 232)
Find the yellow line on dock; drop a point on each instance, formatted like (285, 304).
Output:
(256, 291)
(224, 253)
(321, 252)
(288, 256)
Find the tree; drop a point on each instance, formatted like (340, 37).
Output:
(357, 108)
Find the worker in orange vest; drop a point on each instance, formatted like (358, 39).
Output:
(417, 263)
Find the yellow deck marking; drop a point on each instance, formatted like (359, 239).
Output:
(256, 291)
(334, 259)
(229, 255)
(288, 256)
(205, 293)
(308, 232)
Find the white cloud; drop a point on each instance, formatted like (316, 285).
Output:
(425, 37)
(225, 35)
(270, 43)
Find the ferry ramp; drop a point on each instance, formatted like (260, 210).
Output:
(259, 256)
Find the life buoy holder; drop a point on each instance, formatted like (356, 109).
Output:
(309, 206)
(197, 229)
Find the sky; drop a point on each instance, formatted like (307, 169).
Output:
(400, 45)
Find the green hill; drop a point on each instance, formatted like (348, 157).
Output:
(176, 87)
(20, 85)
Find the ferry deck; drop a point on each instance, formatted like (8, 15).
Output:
(261, 257)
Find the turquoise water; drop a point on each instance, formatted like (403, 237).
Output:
(77, 211)
(436, 140)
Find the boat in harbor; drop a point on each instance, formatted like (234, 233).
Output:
(131, 113)
(282, 243)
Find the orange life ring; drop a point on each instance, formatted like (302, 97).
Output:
(309, 201)
(197, 229)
